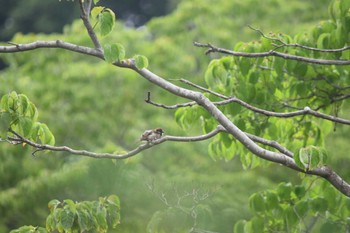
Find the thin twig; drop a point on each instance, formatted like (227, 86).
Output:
(85, 13)
(203, 89)
(296, 45)
(305, 111)
(176, 106)
(271, 53)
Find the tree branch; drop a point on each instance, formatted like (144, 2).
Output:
(85, 8)
(284, 44)
(274, 157)
(305, 111)
(200, 99)
(18, 139)
(271, 53)
(13, 48)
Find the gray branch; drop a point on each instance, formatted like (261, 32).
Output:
(272, 53)
(18, 139)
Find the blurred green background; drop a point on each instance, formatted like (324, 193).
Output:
(91, 105)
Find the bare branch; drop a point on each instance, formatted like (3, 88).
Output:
(284, 44)
(203, 89)
(305, 111)
(85, 8)
(149, 101)
(18, 139)
(271, 53)
(272, 144)
(50, 44)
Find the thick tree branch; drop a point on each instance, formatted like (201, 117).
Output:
(275, 157)
(271, 53)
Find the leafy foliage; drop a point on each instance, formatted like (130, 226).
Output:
(105, 19)
(85, 92)
(279, 85)
(86, 216)
(289, 208)
(18, 113)
(114, 52)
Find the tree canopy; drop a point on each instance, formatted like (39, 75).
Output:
(280, 98)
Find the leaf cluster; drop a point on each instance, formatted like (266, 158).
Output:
(279, 85)
(85, 216)
(19, 114)
(295, 208)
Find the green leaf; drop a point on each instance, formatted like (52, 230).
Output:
(32, 112)
(257, 203)
(29, 229)
(319, 204)
(331, 227)
(83, 220)
(45, 135)
(271, 201)
(300, 191)
(113, 199)
(53, 204)
(5, 121)
(101, 215)
(96, 1)
(4, 103)
(23, 102)
(114, 52)
(67, 219)
(50, 223)
(179, 117)
(323, 41)
(106, 21)
(291, 218)
(25, 125)
(240, 226)
(70, 205)
(310, 157)
(113, 216)
(12, 102)
(284, 191)
(301, 208)
(96, 11)
(141, 61)
(257, 225)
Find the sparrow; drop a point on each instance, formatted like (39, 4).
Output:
(152, 135)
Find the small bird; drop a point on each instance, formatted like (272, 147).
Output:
(152, 135)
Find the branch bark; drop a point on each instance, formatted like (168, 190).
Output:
(272, 53)
(18, 139)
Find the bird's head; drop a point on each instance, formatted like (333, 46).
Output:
(159, 131)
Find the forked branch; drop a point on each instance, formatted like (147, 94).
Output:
(271, 53)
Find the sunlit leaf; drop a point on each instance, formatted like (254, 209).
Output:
(141, 61)
(257, 203)
(113, 52)
(67, 219)
(106, 21)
